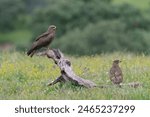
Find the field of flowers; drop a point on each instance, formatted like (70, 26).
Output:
(22, 77)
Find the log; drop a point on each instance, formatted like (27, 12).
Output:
(67, 74)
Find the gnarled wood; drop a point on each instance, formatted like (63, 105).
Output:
(67, 73)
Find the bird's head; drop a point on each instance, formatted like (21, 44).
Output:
(116, 61)
(52, 27)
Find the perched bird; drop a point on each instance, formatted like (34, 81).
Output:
(43, 40)
(115, 73)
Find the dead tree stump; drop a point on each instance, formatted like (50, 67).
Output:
(67, 73)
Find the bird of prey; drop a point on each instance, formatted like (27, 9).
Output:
(43, 40)
(115, 73)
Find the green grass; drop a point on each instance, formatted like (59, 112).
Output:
(142, 4)
(22, 77)
(17, 37)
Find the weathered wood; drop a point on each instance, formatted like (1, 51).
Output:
(59, 79)
(67, 73)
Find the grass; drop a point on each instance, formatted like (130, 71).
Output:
(17, 37)
(22, 77)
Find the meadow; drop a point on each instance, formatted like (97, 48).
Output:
(22, 77)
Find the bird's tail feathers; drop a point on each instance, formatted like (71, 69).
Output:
(29, 52)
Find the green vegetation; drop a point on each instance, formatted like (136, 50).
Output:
(142, 4)
(86, 28)
(10, 12)
(103, 25)
(18, 37)
(22, 77)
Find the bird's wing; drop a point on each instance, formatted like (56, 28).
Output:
(42, 35)
(118, 72)
(111, 73)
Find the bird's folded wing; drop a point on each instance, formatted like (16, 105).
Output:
(118, 73)
(42, 35)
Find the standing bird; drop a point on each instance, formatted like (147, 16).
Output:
(43, 40)
(115, 73)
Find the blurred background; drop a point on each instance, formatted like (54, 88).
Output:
(84, 27)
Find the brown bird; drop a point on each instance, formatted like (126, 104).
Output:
(115, 73)
(43, 40)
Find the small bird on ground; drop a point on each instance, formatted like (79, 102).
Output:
(115, 73)
(43, 40)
